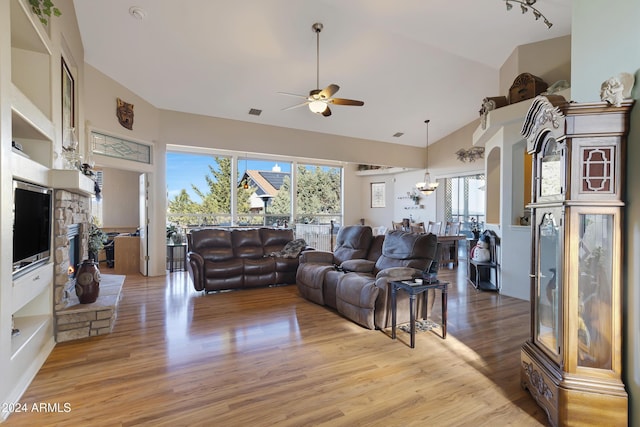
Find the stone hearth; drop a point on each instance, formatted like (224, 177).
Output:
(87, 320)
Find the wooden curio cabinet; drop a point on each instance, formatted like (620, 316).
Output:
(571, 363)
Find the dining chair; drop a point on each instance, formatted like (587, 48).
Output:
(397, 225)
(417, 227)
(434, 227)
(452, 228)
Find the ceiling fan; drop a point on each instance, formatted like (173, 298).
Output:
(319, 100)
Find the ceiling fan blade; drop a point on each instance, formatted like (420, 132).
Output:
(328, 91)
(302, 104)
(342, 101)
(293, 94)
(327, 112)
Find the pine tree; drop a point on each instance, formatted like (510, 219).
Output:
(215, 207)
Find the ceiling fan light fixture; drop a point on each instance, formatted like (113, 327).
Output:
(317, 106)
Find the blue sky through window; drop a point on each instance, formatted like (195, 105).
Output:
(185, 169)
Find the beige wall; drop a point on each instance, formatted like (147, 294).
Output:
(120, 198)
(212, 132)
(443, 161)
(550, 60)
(100, 106)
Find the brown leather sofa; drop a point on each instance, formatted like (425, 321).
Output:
(319, 271)
(354, 279)
(221, 259)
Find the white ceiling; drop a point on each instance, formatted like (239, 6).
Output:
(408, 60)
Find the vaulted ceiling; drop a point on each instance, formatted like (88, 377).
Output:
(408, 60)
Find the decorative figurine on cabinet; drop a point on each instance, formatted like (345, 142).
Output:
(480, 252)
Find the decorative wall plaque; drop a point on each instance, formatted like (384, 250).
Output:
(124, 112)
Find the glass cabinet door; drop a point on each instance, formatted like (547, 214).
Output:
(549, 282)
(595, 287)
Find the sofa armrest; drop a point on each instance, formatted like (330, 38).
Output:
(195, 267)
(358, 266)
(316, 257)
(398, 273)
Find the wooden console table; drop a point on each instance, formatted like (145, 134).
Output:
(449, 248)
(126, 254)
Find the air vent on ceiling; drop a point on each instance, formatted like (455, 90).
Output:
(398, 134)
(255, 112)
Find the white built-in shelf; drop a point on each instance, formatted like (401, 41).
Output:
(27, 120)
(30, 285)
(71, 180)
(31, 329)
(25, 169)
(26, 31)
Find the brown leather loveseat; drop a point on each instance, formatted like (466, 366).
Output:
(221, 259)
(354, 279)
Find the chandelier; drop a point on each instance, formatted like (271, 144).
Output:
(525, 5)
(428, 186)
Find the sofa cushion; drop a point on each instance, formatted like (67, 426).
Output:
(353, 241)
(247, 243)
(259, 272)
(212, 244)
(274, 239)
(358, 265)
(375, 250)
(404, 249)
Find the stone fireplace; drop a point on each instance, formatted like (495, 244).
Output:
(72, 219)
(72, 215)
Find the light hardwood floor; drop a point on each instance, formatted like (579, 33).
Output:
(267, 357)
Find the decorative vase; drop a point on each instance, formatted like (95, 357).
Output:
(88, 282)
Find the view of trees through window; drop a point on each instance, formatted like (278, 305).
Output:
(199, 189)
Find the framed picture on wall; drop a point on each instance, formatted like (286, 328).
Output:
(68, 105)
(378, 195)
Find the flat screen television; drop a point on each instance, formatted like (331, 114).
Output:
(31, 226)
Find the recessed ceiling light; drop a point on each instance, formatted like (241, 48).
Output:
(137, 12)
(398, 134)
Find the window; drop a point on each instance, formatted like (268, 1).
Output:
(199, 189)
(264, 192)
(119, 148)
(464, 199)
(319, 194)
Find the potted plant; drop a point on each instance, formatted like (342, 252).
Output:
(97, 239)
(43, 9)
